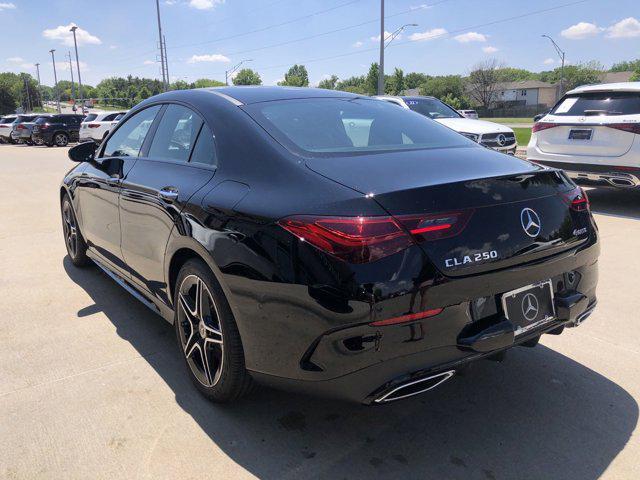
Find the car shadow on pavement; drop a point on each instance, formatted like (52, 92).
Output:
(538, 415)
(615, 201)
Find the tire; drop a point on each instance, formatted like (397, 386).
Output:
(61, 139)
(208, 336)
(76, 246)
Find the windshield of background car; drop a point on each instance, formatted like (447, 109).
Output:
(431, 108)
(598, 103)
(360, 125)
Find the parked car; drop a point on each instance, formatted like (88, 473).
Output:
(391, 253)
(593, 133)
(6, 126)
(469, 114)
(489, 134)
(57, 130)
(97, 125)
(23, 128)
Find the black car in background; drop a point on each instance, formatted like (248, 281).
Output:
(322, 241)
(58, 130)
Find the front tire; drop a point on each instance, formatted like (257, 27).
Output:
(76, 246)
(208, 336)
(61, 139)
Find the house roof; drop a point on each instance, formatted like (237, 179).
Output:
(616, 77)
(525, 84)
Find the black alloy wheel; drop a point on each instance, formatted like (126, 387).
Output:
(76, 246)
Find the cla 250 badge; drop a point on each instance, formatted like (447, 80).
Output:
(473, 258)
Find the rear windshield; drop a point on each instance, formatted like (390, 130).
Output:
(598, 103)
(339, 126)
(431, 108)
(26, 118)
(42, 120)
(8, 120)
(90, 117)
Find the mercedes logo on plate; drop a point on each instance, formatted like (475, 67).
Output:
(501, 139)
(530, 222)
(530, 307)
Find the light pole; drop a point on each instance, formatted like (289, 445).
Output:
(397, 32)
(55, 78)
(560, 53)
(228, 73)
(73, 85)
(384, 43)
(163, 66)
(381, 64)
(39, 88)
(75, 42)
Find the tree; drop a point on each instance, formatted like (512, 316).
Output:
(352, 84)
(395, 83)
(626, 66)
(415, 80)
(440, 87)
(371, 80)
(7, 100)
(246, 76)
(297, 76)
(483, 82)
(207, 83)
(510, 74)
(329, 83)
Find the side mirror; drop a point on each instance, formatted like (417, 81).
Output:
(83, 152)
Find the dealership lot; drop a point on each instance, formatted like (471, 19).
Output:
(92, 386)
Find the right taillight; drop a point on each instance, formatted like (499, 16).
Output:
(625, 127)
(94, 125)
(539, 126)
(577, 199)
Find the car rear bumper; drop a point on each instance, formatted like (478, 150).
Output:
(614, 175)
(42, 137)
(372, 364)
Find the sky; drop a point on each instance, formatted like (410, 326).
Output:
(207, 37)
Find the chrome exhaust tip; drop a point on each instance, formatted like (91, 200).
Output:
(621, 182)
(415, 387)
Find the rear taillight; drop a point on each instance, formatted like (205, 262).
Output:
(539, 126)
(352, 239)
(577, 199)
(21, 127)
(44, 126)
(436, 226)
(94, 125)
(625, 127)
(408, 318)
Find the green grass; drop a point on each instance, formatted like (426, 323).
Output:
(509, 120)
(522, 136)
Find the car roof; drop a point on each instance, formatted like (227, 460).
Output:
(254, 94)
(608, 87)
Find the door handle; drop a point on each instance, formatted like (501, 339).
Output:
(168, 194)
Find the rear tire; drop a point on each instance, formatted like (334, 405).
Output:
(76, 246)
(61, 139)
(208, 336)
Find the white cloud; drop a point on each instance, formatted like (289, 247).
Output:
(63, 34)
(386, 36)
(358, 44)
(204, 4)
(216, 57)
(7, 6)
(471, 37)
(581, 30)
(63, 65)
(549, 61)
(15, 59)
(489, 49)
(422, 6)
(627, 28)
(113, 47)
(428, 35)
(149, 62)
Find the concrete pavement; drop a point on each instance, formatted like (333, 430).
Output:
(92, 386)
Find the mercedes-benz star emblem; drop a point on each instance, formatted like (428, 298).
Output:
(530, 307)
(501, 139)
(530, 222)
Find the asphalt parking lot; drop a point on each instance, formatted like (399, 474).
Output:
(92, 385)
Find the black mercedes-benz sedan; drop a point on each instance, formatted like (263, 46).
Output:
(328, 242)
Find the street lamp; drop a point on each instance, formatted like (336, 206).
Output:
(561, 55)
(39, 87)
(73, 29)
(55, 78)
(228, 73)
(398, 31)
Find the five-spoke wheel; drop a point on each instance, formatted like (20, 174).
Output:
(76, 246)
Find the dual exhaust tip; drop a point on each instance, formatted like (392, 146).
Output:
(414, 387)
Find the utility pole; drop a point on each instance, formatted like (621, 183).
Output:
(55, 78)
(39, 86)
(381, 64)
(26, 88)
(166, 59)
(228, 73)
(560, 53)
(165, 81)
(73, 85)
(75, 42)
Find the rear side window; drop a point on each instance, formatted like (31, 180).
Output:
(204, 152)
(127, 140)
(598, 103)
(176, 134)
(90, 117)
(8, 120)
(110, 117)
(42, 120)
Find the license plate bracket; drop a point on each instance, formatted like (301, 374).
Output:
(529, 307)
(580, 134)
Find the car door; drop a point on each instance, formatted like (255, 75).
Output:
(156, 190)
(100, 183)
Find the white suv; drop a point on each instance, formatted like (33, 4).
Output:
(593, 133)
(97, 125)
(489, 134)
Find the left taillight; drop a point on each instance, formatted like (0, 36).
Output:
(351, 239)
(539, 126)
(577, 199)
(430, 227)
